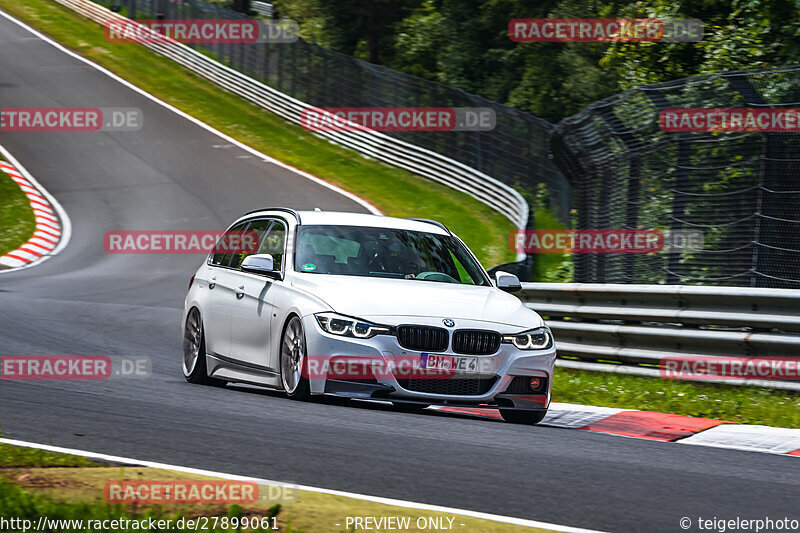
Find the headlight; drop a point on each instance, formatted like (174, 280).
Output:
(349, 327)
(535, 339)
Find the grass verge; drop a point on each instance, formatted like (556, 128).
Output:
(744, 405)
(34, 483)
(17, 223)
(394, 191)
(21, 457)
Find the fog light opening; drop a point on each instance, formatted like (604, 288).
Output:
(535, 384)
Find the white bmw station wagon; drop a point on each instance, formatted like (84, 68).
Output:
(366, 307)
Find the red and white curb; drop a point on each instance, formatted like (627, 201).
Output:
(660, 427)
(52, 224)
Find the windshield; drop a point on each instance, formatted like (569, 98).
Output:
(385, 253)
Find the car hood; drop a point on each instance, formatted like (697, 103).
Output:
(370, 298)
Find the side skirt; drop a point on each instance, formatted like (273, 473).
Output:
(223, 368)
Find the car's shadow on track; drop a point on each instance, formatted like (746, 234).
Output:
(372, 405)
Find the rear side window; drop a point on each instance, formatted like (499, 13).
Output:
(270, 236)
(223, 258)
(256, 230)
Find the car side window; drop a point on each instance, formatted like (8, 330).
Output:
(273, 243)
(463, 275)
(255, 233)
(222, 251)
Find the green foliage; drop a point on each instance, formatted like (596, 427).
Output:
(363, 28)
(419, 37)
(20, 504)
(394, 191)
(20, 456)
(465, 43)
(17, 223)
(739, 34)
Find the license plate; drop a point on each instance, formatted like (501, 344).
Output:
(455, 363)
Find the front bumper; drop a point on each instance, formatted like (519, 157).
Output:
(497, 371)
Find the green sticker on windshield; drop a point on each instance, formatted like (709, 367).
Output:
(308, 267)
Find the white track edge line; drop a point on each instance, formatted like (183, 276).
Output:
(66, 224)
(375, 499)
(357, 199)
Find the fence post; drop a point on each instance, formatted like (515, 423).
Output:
(767, 178)
(632, 193)
(632, 212)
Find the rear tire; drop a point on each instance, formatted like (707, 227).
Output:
(530, 418)
(194, 351)
(294, 361)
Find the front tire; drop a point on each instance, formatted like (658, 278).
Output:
(530, 418)
(194, 351)
(294, 376)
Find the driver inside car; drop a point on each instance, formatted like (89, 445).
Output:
(414, 265)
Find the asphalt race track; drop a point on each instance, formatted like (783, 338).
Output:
(174, 175)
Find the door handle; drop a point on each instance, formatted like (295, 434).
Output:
(212, 282)
(240, 292)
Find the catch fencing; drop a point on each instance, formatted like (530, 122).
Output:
(740, 189)
(513, 153)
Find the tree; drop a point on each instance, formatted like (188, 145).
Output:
(465, 44)
(362, 28)
(739, 34)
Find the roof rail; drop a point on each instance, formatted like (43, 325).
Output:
(434, 222)
(292, 212)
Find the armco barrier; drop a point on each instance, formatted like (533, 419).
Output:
(262, 8)
(630, 328)
(420, 161)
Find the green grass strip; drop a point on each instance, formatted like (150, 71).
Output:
(17, 222)
(26, 510)
(19, 456)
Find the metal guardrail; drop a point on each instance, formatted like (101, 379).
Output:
(262, 8)
(420, 161)
(630, 328)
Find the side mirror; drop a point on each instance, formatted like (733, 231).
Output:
(262, 264)
(507, 282)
